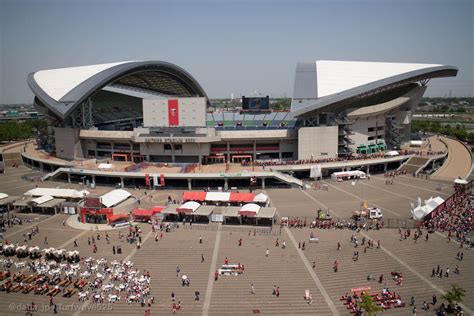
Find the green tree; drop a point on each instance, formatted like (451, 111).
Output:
(368, 305)
(454, 296)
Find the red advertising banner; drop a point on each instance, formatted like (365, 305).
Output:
(162, 180)
(173, 113)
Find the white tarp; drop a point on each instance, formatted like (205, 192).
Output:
(421, 211)
(190, 205)
(250, 207)
(261, 198)
(3, 196)
(105, 166)
(57, 193)
(315, 171)
(218, 196)
(42, 199)
(114, 197)
(392, 153)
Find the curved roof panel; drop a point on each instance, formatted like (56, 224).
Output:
(332, 82)
(58, 82)
(62, 90)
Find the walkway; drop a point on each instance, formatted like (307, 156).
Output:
(458, 163)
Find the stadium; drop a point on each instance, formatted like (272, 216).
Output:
(155, 113)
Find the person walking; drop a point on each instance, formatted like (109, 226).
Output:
(196, 296)
(202, 257)
(200, 239)
(277, 291)
(412, 301)
(173, 297)
(433, 272)
(216, 275)
(338, 246)
(267, 252)
(113, 250)
(252, 289)
(178, 270)
(447, 272)
(434, 299)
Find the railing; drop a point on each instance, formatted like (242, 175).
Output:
(252, 230)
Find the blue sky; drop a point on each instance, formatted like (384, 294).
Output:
(234, 46)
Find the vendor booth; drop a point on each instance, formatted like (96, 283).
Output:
(190, 211)
(142, 215)
(224, 198)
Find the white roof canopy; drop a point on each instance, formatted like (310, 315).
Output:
(190, 205)
(460, 181)
(218, 196)
(250, 208)
(57, 193)
(42, 199)
(337, 76)
(3, 196)
(114, 197)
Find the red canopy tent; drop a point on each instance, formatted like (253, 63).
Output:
(142, 214)
(194, 196)
(112, 218)
(241, 197)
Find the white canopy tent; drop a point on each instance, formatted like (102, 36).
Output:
(58, 193)
(114, 197)
(261, 198)
(431, 204)
(3, 196)
(460, 181)
(249, 209)
(42, 199)
(189, 206)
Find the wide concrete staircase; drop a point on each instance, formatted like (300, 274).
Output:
(413, 164)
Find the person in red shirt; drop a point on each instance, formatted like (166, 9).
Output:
(216, 276)
(226, 261)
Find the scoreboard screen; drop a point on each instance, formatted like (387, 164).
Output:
(256, 103)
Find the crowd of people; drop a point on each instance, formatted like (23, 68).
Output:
(351, 224)
(270, 163)
(455, 218)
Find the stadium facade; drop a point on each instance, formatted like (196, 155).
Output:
(156, 111)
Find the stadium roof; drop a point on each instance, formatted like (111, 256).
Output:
(325, 82)
(62, 90)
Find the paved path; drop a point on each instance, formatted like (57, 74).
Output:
(210, 282)
(360, 199)
(458, 163)
(316, 280)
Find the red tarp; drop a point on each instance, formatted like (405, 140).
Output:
(241, 197)
(194, 196)
(117, 217)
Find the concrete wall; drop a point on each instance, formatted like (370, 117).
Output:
(360, 129)
(317, 142)
(191, 112)
(68, 144)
